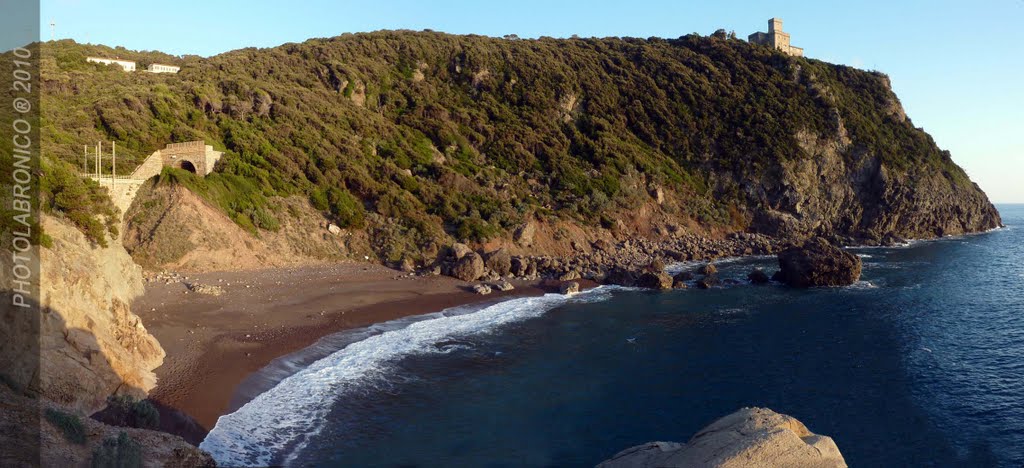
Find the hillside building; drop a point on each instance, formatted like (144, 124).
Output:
(161, 68)
(776, 38)
(127, 65)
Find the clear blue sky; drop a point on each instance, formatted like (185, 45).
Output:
(957, 66)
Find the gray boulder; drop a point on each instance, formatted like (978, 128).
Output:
(748, 438)
(571, 287)
(481, 289)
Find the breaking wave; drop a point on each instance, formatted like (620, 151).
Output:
(282, 420)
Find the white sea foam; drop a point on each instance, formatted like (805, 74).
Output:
(862, 284)
(284, 418)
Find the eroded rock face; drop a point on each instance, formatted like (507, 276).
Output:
(92, 345)
(818, 263)
(748, 438)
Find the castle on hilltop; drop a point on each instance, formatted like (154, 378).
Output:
(776, 38)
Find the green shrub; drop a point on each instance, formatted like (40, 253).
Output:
(119, 452)
(69, 424)
(347, 210)
(126, 411)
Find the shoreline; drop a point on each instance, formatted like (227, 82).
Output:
(214, 343)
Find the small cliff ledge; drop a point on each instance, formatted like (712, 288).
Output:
(750, 437)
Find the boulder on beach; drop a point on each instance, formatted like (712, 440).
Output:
(707, 269)
(481, 289)
(683, 276)
(708, 282)
(750, 437)
(818, 263)
(469, 268)
(460, 250)
(652, 280)
(570, 287)
(499, 261)
(620, 276)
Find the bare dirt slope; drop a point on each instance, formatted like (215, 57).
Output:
(169, 227)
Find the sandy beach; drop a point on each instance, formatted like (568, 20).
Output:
(213, 342)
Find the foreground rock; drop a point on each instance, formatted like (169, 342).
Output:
(750, 437)
(818, 263)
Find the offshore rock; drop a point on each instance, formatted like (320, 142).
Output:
(818, 263)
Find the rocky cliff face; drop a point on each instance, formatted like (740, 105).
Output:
(92, 345)
(748, 438)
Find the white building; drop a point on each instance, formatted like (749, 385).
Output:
(127, 65)
(161, 68)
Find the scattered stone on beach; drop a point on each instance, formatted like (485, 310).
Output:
(677, 284)
(758, 276)
(481, 289)
(707, 269)
(748, 438)
(570, 287)
(818, 263)
(503, 286)
(469, 268)
(207, 289)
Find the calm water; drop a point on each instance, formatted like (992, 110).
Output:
(920, 364)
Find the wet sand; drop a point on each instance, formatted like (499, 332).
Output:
(214, 342)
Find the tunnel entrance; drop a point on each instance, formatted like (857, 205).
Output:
(188, 166)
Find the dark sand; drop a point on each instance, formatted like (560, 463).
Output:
(214, 342)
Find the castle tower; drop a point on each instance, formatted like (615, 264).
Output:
(776, 38)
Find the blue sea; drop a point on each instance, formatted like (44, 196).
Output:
(921, 363)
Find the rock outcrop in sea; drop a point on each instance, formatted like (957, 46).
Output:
(748, 438)
(818, 263)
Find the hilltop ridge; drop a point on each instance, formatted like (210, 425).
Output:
(421, 139)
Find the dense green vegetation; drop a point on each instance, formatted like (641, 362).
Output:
(436, 135)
